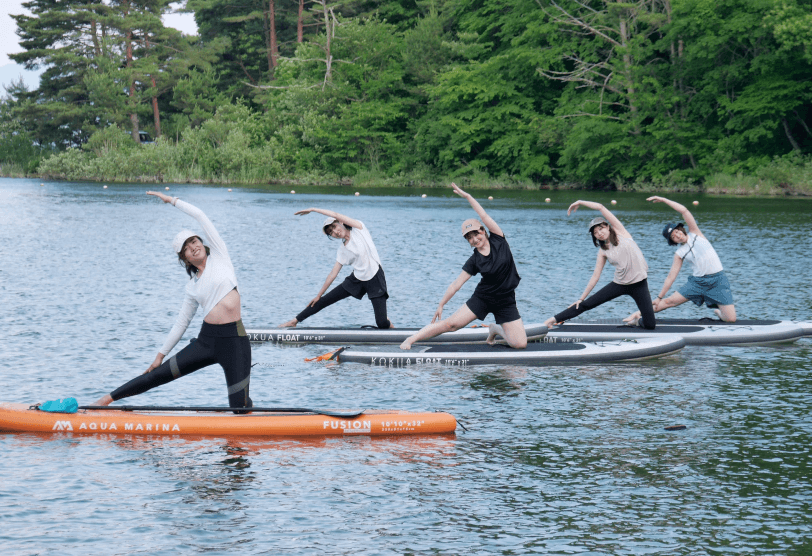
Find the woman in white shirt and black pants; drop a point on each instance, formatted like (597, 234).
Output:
(708, 284)
(213, 286)
(357, 250)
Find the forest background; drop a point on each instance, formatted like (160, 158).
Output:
(654, 95)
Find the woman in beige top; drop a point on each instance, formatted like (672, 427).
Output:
(617, 247)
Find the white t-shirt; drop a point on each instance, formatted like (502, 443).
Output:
(700, 253)
(360, 253)
(212, 285)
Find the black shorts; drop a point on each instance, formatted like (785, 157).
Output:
(504, 308)
(374, 287)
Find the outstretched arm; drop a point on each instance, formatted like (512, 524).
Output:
(684, 212)
(212, 235)
(449, 293)
(351, 222)
(327, 282)
(605, 212)
(669, 280)
(596, 275)
(489, 222)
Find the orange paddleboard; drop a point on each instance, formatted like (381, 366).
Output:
(17, 417)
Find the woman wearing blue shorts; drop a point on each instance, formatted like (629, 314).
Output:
(709, 284)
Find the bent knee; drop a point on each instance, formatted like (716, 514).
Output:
(519, 345)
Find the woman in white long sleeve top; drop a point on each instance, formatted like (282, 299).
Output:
(213, 287)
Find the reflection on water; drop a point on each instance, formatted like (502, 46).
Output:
(556, 460)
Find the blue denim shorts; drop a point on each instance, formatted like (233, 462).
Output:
(713, 290)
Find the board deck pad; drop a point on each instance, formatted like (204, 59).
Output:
(695, 331)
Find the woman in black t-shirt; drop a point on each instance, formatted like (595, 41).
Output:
(494, 294)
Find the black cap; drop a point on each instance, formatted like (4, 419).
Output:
(670, 228)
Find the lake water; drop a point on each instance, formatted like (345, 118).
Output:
(555, 460)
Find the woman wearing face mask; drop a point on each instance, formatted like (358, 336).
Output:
(708, 284)
(617, 247)
(357, 250)
(213, 286)
(495, 293)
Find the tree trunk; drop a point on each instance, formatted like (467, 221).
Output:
(95, 35)
(155, 113)
(300, 23)
(792, 141)
(328, 57)
(131, 77)
(274, 45)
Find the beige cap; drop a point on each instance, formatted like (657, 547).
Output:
(471, 225)
(327, 221)
(597, 220)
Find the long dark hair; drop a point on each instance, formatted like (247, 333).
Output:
(612, 238)
(190, 268)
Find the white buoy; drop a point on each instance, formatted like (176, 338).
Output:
(490, 198)
(167, 188)
(41, 184)
(547, 200)
(105, 187)
(357, 194)
(696, 202)
(292, 192)
(614, 202)
(423, 195)
(229, 191)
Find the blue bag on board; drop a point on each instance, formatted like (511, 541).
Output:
(68, 405)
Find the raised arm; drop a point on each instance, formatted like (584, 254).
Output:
(489, 222)
(605, 212)
(212, 235)
(684, 212)
(351, 222)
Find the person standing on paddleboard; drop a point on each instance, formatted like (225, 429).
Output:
(708, 284)
(213, 286)
(357, 250)
(631, 270)
(495, 293)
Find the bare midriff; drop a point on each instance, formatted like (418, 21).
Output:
(227, 309)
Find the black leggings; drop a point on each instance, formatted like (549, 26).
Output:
(638, 291)
(337, 294)
(226, 344)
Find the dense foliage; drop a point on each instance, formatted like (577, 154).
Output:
(588, 92)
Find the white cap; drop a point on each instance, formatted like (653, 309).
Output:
(329, 220)
(180, 239)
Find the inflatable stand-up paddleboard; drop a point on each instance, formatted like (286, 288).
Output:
(701, 332)
(541, 353)
(374, 335)
(805, 325)
(17, 417)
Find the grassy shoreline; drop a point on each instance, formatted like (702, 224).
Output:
(726, 186)
(780, 178)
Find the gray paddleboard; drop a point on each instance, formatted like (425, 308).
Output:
(541, 353)
(350, 336)
(701, 332)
